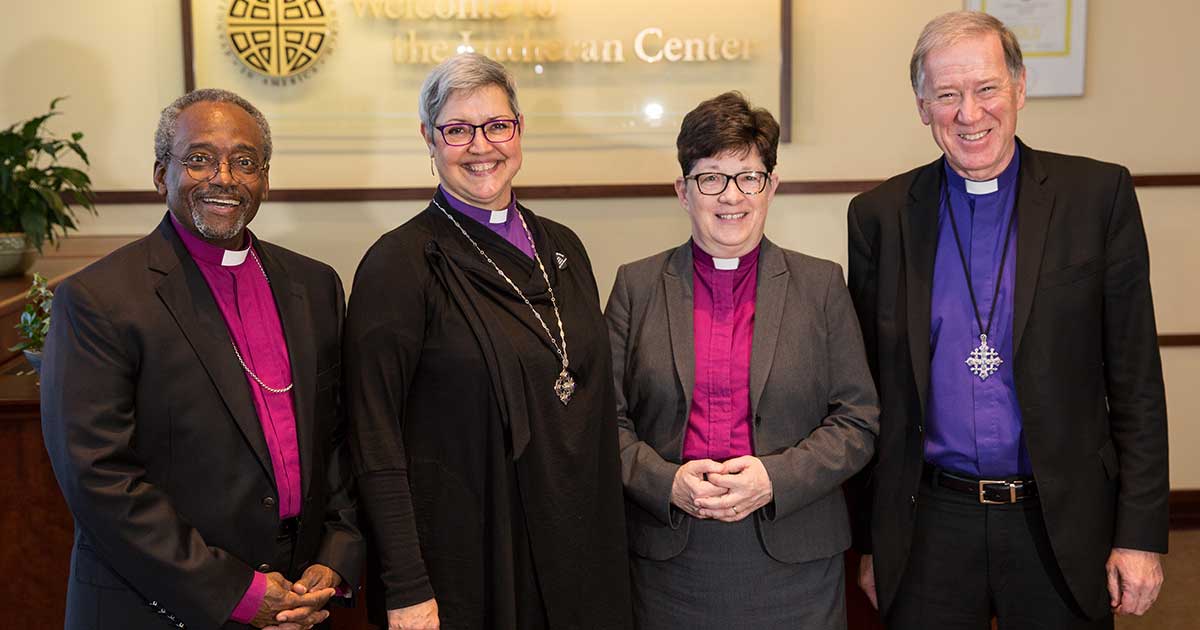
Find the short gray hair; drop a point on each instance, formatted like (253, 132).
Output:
(950, 28)
(168, 122)
(463, 72)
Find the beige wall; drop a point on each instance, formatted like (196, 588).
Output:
(854, 118)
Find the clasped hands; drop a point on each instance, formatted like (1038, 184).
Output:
(297, 605)
(726, 491)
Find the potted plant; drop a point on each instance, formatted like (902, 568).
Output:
(35, 321)
(37, 192)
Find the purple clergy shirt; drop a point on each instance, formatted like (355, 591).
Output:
(510, 229)
(974, 426)
(723, 321)
(244, 297)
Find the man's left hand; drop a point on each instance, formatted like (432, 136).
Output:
(316, 577)
(749, 489)
(1134, 579)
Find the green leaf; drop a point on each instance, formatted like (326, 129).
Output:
(30, 128)
(33, 223)
(79, 150)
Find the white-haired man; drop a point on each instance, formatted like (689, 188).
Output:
(1004, 297)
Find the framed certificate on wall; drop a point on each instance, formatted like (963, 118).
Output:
(1053, 34)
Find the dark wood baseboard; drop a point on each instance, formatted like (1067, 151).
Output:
(1185, 509)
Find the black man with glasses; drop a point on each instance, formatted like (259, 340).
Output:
(743, 399)
(480, 393)
(190, 404)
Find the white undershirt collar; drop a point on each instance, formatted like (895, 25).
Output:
(982, 188)
(726, 264)
(234, 257)
(498, 216)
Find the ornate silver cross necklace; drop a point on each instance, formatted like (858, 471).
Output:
(564, 385)
(984, 360)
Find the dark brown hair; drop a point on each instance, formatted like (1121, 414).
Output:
(727, 123)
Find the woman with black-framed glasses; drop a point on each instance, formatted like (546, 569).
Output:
(743, 399)
(480, 393)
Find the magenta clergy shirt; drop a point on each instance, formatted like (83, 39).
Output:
(723, 320)
(244, 297)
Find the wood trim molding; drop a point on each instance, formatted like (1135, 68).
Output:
(785, 71)
(189, 66)
(1176, 340)
(585, 191)
(1185, 509)
(1167, 180)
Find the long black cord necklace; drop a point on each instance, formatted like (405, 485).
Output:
(984, 360)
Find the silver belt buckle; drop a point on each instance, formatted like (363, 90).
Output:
(1012, 491)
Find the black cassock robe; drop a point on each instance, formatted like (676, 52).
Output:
(479, 486)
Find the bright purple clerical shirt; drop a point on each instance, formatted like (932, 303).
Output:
(723, 327)
(504, 222)
(244, 298)
(974, 426)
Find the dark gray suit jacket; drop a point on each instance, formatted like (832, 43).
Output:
(811, 398)
(153, 435)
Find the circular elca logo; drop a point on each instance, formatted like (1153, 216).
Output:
(279, 38)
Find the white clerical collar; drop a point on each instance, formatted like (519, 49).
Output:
(498, 216)
(233, 258)
(982, 188)
(726, 264)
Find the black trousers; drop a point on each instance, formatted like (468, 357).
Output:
(971, 561)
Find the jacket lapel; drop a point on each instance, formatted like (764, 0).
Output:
(186, 295)
(291, 301)
(677, 284)
(1035, 204)
(918, 234)
(770, 295)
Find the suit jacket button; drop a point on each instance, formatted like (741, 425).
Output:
(264, 568)
(268, 502)
(920, 428)
(912, 498)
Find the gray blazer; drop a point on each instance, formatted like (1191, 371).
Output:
(814, 408)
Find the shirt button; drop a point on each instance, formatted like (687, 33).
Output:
(268, 502)
(264, 568)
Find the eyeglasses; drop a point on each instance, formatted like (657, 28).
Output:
(749, 182)
(461, 134)
(202, 167)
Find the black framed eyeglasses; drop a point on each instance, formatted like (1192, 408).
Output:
(202, 167)
(749, 182)
(458, 134)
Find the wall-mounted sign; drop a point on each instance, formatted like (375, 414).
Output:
(589, 74)
(281, 41)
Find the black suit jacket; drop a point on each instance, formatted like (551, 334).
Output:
(153, 435)
(1087, 368)
(811, 398)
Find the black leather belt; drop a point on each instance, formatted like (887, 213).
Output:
(988, 491)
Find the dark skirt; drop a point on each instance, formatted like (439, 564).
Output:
(724, 579)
